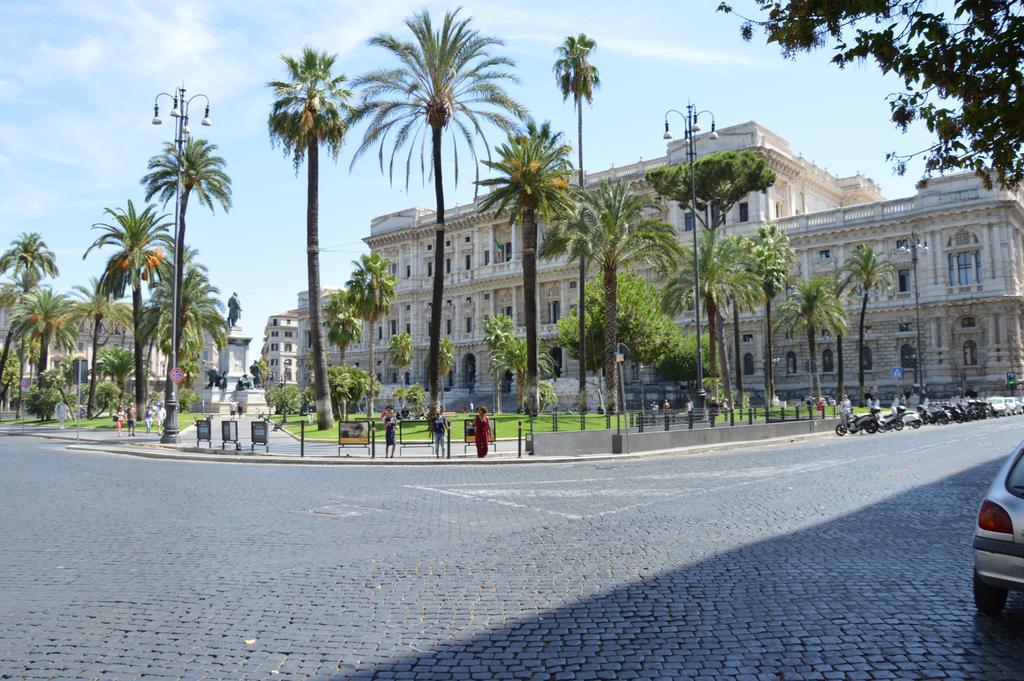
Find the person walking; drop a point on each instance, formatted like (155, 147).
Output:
(482, 428)
(390, 422)
(439, 427)
(149, 419)
(62, 413)
(846, 409)
(161, 417)
(119, 420)
(130, 415)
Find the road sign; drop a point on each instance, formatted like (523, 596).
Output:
(25, 383)
(897, 372)
(177, 375)
(1011, 378)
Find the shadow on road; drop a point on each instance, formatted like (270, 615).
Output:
(881, 593)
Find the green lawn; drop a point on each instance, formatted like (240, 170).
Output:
(103, 422)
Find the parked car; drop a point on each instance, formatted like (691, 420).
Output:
(1001, 406)
(999, 538)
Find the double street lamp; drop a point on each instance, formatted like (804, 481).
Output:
(915, 244)
(692, 128)
(179, 112)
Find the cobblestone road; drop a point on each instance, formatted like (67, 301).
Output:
(826, 559)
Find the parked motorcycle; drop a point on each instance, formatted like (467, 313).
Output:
(865, 422)
(911, 419)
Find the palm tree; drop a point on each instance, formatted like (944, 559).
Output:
(115, 364)
(48, 317)
(578, 78)
(445, 359)
(532, 183)
(202, 313)
(614, 229)
(865, 271)
(401, 350)
(498, 329)
(28, 260)
(139, 239)
(372, 290)
(344, 326)
(95, 306)
(513, 358)
(725, 275)
(772, 259)
(813, 306)
(309, 110)
(446, 75)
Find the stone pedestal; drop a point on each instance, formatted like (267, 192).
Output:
(234, 362)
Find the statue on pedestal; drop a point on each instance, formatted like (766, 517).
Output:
(234, 311)
(244, 383)
(215, 379)
(257, 375)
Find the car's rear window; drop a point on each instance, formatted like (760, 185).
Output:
(1015, 482)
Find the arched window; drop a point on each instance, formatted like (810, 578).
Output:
(865, 358)
(828, 365)
(908, 357)
(790, 362)
(748, 363)
(970, 354)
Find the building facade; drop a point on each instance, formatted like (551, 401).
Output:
(969, 280)
(281, 339)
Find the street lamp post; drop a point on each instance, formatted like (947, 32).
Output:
(692, 128)
(643, 393)
(919, 377)
(179, 112)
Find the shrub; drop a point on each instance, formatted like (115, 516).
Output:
(186, 398)
(42, 402)
(108, 396)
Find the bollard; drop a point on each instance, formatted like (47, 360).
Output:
(689, 419)
(302, 438)
(448, 447)
(782, 410)
(529, 452)
(666, 419)
(750, 416)
(607, 420)
(714, 414)
(554, 422)
(640, 422)
(732, 417)
(583, 419)
(373, 440)
(519, 440)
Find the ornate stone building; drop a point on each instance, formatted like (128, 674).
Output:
(970, 279)
(281, 340)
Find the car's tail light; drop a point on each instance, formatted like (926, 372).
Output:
(994, 518)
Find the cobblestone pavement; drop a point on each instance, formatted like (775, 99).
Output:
(827, 559)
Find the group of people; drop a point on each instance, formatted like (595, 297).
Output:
(439, 429)
(126, 417)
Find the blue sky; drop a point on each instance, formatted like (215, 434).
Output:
(78, 80)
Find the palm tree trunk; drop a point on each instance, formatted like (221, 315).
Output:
(434, 353)
(711, 310)
(140, 375)
(530, 301)
(860, 346)
(583, 275)
(736, 355)
(44, 355)
(611, 304)
(179, 275)
(815, 379)
(840, 382)
(321, 391)
(8, 341)
(723, 356)
(769, 368)
(373, 370)
(91, 401)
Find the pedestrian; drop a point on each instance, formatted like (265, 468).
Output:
(845, 409)
(161, 417)
(821, 405)
(119, 419)
(233, 409)
(149, 419)
(62, 413)
(482, 432)
(471, 408)
(130, 416)
(665, 405)
(389, 433)
(439, 427)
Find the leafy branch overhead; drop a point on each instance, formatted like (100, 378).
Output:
(961, 70)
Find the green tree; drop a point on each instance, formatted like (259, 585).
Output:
(49, 318)
(108, 396)
(401, 350)
(42, 401)
(863, 272)
(532, 182)
(344, 326)
(547, 395)
(285, 399)
(722, 179)
(812, 306)
(446, 76)
(772, 260)
(513, 359)
(725, 275)
(138, 240)
(309, 111)
(416, 397)
(498, 330)
(578, 78)
(615, 230)
(348, 384)
(115, 364)
(372, 290)
(960, 66)
(680, 362)
(27, 261)
(445, 360)
(94, 305)
(186, 398)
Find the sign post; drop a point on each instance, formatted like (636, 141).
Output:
(1011, 381)
(177, 375)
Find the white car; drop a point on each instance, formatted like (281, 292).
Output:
(1001, 406)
